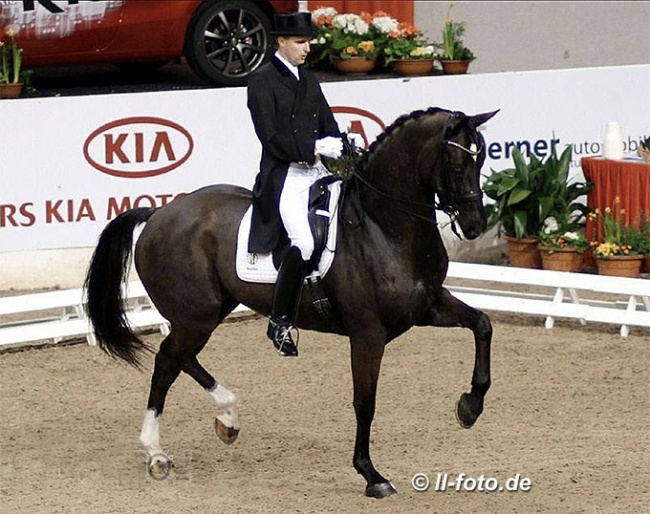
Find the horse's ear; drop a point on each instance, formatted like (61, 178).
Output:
(479, 119)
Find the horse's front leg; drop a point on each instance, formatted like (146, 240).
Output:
(451, 312)
(366, 362)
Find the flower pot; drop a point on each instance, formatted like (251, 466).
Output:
(413, 67)
(620, 265)
(11, 90)
(561, 259)
(354, 65)
(523, 253)
(453, 67)
(646, 264)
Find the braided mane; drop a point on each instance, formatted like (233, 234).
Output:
(398, 123)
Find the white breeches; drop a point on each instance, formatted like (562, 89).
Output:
(294, 205)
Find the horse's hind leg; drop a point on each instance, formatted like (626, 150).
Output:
(178, 354)
(451, 312)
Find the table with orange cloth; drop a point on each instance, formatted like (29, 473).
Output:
(627, 179)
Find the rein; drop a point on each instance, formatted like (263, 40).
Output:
(450, 211)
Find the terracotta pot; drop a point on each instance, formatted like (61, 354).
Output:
(523, 253)
(452, 67)
(413, 67)
(354, 65)
(11, 90)
(620, 265)
(561, 259)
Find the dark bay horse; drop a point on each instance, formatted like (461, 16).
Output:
(387, 275)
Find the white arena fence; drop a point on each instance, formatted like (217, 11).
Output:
(55, 316)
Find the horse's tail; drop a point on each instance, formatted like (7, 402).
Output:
(106, 274)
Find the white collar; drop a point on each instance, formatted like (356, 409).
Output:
(293, 69)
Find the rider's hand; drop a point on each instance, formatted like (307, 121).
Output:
(329, 146)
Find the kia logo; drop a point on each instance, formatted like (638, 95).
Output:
(138, 147)
(362, 126)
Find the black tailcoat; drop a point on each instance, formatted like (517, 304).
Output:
(289, 115)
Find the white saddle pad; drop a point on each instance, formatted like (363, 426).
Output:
(259, 268)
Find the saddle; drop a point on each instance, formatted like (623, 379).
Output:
(324, 197)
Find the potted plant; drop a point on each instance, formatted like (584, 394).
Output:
(404, 47)
(345, 41)
(524, 196)
(11, 74)
(454, 56)
(616, 245)
(562, 244)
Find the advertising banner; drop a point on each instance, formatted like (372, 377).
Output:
(69, 165)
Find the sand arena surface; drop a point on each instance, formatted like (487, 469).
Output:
(569, 409)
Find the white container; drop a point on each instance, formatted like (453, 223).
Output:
(613, 141)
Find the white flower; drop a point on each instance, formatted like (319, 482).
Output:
(323, 12)
(571, 236)
(351, 24)
(550, 225)
(385, 24)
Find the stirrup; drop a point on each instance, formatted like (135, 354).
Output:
(280, 334)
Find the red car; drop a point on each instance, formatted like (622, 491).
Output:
(222, 40)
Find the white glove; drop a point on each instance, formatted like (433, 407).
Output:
(329, 147)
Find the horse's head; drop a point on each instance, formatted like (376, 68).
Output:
(457, 176)
(426, 154)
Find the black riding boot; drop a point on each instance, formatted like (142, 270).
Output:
(286, 298)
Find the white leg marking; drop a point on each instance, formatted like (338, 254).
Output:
(150, 435)
(227, 406)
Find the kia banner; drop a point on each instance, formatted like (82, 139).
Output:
(70, 165)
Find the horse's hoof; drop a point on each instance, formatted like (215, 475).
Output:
(227, 434)
(383, 490)
(466, 412)
(159, 466)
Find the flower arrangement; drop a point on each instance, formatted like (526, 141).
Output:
(342, 35)
(452, 46)
(406, 42)
(365, 35)
(555, 235)
(612, 236)
(10, 59)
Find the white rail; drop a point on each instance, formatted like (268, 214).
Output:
(58, 315)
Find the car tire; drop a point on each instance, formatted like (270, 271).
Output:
(227, 40)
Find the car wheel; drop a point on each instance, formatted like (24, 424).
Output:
(227, 40)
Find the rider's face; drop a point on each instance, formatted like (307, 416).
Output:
(294, 49)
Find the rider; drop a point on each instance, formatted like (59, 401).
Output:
(295, 126)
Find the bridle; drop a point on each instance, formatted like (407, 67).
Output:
(449, 200)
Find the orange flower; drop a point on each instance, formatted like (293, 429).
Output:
(366, 16)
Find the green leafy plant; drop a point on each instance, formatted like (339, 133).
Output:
(524, 196)
(10, 59)
(613, 235)
(644, 229)
(452, 46)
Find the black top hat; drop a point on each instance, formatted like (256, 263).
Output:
(294, 24)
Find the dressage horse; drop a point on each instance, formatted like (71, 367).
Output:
(387, 275)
